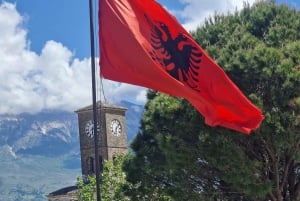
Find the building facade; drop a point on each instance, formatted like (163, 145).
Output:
(112, 140)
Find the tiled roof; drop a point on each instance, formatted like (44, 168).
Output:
(103, 105)
(64, 191)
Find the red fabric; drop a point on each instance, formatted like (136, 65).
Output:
(142, 44)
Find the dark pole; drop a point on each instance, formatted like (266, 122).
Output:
(94, 102)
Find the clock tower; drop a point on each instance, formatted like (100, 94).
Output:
(111, 135)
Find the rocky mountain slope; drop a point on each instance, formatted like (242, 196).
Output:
(39, 153)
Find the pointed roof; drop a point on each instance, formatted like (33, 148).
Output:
(103, 105)
(64, 191)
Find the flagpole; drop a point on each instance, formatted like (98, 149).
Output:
(93, 69)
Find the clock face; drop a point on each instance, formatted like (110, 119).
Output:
(115, 127)
(89, 129)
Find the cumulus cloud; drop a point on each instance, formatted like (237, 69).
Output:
(196, 11)
(53, 79)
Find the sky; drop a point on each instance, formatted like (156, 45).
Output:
(45, 52)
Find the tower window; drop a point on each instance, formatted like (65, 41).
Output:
(91, 165)
(101, 163)
(114, 157)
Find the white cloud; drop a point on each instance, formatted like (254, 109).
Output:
(196, 11)
(52, 80)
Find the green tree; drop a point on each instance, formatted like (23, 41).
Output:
(113, 180)
(259, 48)
(86, 189)
(112, 183)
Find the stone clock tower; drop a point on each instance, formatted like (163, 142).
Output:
(111, 134)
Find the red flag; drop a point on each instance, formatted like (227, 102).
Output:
(142, 44)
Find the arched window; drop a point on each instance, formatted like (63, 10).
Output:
(114, 157)
(91, 165)
(101, 163)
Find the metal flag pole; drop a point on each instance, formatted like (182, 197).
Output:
(93, 68)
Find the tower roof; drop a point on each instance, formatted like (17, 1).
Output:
(64, 191)
(101, 105)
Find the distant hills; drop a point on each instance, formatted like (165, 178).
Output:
(39, 153)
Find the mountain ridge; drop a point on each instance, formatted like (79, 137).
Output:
(49, 138)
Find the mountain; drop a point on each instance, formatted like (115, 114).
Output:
(40, 153)
(133, 116)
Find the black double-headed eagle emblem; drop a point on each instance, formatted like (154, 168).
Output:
(178, 56)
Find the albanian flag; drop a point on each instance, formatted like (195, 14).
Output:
(142, 44)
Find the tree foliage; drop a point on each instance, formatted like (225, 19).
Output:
(113, 180)
(177, 155)
(86, 189)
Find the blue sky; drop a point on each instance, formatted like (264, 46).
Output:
(64, 21)
(67, 21)
(44, 51)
